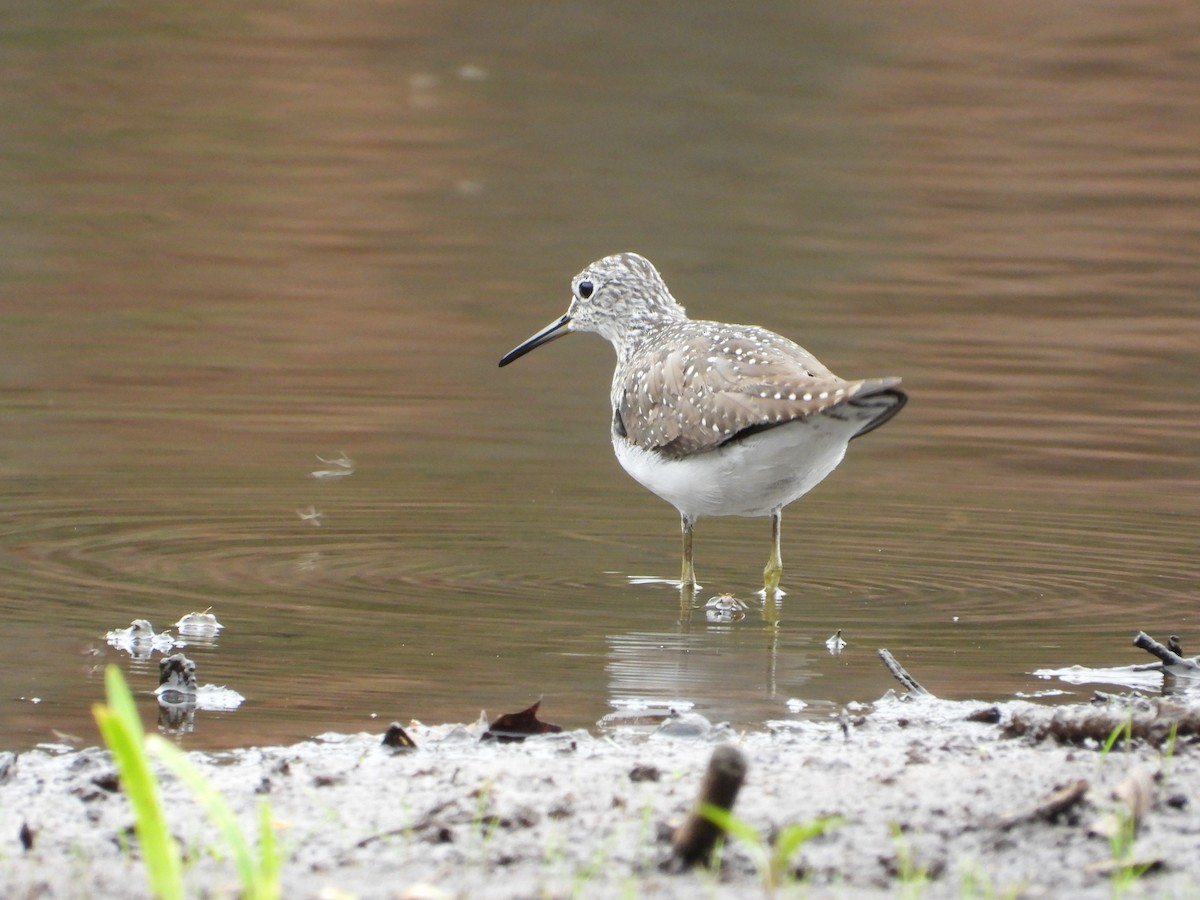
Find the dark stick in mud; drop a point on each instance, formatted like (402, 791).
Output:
(1059, 802)
(696, 836)
(901, 675)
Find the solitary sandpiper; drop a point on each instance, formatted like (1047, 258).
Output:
(717, 419)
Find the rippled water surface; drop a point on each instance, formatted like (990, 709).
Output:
(236, 239)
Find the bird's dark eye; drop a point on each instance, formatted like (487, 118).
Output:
(585, 289)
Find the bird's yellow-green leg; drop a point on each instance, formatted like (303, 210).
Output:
(687, 577)
(774, 569)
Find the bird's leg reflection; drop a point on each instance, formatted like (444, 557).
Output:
(772, 606)
(771, 653)
(687, 601)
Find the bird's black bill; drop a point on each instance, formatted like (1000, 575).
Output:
(552, 332)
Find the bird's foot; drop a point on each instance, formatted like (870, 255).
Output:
(771, 578)
(687, 579)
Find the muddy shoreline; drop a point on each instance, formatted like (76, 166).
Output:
(945, 799)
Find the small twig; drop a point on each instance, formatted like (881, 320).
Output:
(899, 673)
(1052, 807)
(427, 821)
(696, 836)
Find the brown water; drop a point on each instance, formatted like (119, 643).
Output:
(235, 238)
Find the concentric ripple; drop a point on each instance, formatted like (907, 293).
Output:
(218, 554)
(446, 608)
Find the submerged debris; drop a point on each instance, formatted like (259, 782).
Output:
(311, 515)
(900, 674)
(140, 641)
(725, 608)
(180, 695)
(1174, 673)
(176, 677)
(1142, 678)
(644, 712)
(690, 725)
(340, 467)
(199, 625)
(1171, 655)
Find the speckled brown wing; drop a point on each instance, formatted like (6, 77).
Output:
(685, 396)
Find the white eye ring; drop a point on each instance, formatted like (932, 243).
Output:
(584, 289)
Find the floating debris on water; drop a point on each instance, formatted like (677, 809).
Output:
(176, 676)
(1125, 676)
(340, 467)
(180, 696)
(642, 712)
(218, 698)
(725, 608)
(835, 643)
(202, 625)
(140, 641)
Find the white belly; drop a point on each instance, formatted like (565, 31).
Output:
(751, 477)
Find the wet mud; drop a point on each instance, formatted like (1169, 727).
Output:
(938, 798)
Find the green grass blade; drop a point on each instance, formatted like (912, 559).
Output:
(792, 837)
(122, 731)
(270, 863)
(254, 883)
(727, 821)
(121, 702)
(750, 839)
(1124, 728)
